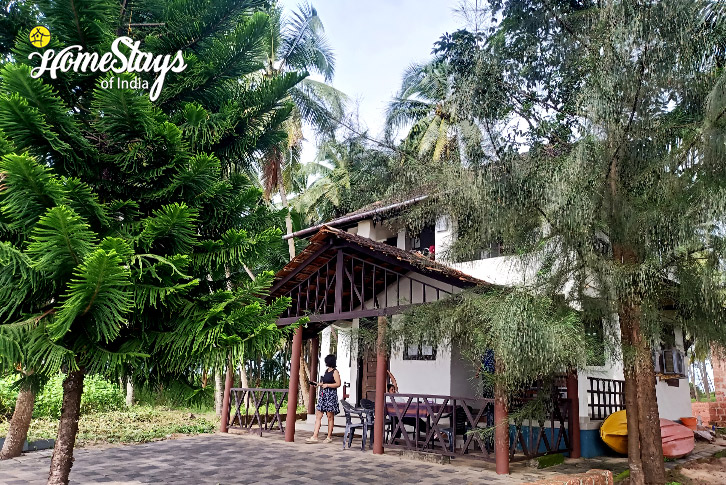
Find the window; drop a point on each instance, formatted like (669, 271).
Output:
(425, 239)
(595, 336)
(420, 351)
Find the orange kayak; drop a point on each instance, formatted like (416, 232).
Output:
(678, 440)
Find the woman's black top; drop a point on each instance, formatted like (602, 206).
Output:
(328, 377)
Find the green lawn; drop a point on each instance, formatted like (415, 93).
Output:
(135, 425)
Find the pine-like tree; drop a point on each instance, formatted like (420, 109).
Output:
(159, 220)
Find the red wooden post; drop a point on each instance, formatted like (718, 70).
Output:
(381, 378)
(314, 350)
(574, 421)
(294, 385)
(224, 422)
(501, 428)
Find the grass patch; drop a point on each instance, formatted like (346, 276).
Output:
(720, 454)
(547, 461)
(138, 424)
(622, 476)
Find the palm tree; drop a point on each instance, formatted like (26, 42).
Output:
(424, 102)
(298, 43)
(345, 176)
(331, 170)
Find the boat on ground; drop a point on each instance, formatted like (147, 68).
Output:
(678, 440)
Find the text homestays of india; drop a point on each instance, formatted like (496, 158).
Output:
(73, 58)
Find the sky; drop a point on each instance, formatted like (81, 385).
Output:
(374, 41)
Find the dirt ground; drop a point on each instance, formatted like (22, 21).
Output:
(704, 471)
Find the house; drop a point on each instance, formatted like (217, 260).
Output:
(360, 268)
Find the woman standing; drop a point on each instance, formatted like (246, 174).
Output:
(327, 401)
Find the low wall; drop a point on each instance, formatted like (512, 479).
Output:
(710, 412)
(592, 477)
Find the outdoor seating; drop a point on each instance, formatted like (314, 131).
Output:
(459, 428)
(350, 426)
(371, 406)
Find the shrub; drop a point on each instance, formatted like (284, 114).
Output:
(99, 395)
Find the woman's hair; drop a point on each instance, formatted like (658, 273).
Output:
(391, 388)
(330, 361)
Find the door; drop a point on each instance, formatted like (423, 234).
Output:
(367, 361)
(368, 377)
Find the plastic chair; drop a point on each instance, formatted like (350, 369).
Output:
(350, 426)
(370, 405)
(460, 427)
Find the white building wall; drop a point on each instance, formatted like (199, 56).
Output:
(423, 376)
(344, 354)
(464, 382)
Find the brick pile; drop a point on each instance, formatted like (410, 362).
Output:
(714, 412)
(592, 477)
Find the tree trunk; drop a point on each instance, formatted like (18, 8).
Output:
(130, 394)
(304, 386)
(19, 424)
(645, 448)
(218, 391)
(704, 378)
(288, 218)
(204, 378)
(695, 386)
(62, 461)
(244, 382)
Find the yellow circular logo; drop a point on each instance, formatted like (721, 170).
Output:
(39, 36)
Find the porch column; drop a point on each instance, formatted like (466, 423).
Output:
(224, 422)
(574, 421)
(314, 350)
(501, 428)
(292, 390)
(381, 378)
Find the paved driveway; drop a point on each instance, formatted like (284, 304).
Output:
(228, 459)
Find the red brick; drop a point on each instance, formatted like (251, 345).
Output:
(592, 477)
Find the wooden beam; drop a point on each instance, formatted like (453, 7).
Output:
(332, 317)
(381, 378)
(294, 383)
(300, 267)
(338, 302)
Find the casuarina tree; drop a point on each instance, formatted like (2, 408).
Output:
(601, 164)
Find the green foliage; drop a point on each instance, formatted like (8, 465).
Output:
(154, 232)
(599, 135)
(98, 396)
(621, 476)
(346, 175)
(531, 337)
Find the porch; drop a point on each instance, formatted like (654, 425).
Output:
(342, 277)
(454, 427)
(345, 277)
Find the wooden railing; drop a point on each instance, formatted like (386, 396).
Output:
(440, 424)
(542, 431)
(605, 396)
(254, 407)
(461, 426)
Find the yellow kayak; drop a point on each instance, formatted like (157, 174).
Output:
(614, 432)
(677, 439)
